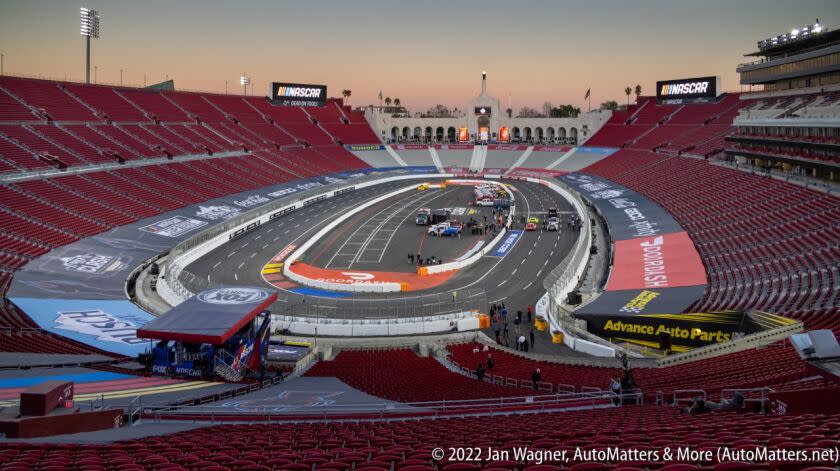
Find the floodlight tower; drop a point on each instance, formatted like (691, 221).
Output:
(244, 81)
(90, 29)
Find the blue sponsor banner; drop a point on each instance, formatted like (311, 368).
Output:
(506, 244)
(596, 150)
(78, 378)
(307, 291)
(104, 324)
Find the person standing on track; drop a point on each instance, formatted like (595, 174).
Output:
(411, 258)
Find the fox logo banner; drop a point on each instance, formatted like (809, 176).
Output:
(233, 296)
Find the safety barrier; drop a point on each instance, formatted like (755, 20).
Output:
(455, 322)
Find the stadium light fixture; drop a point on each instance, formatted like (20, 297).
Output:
(794, 35)
(89, 29)
(244, 81)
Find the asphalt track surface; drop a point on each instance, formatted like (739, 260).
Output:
(381, 237)
(515, 279)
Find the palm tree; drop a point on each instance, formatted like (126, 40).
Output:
(509, 113)
(638, 92)
(396, 102)
(346, 94)
(387, 101)
(628, 91)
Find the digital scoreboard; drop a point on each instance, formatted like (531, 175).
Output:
(690, 90)
(298, 94)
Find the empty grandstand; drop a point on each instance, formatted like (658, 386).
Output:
(215, 281)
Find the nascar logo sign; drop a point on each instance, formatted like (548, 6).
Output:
(693, 89)
(298, 94)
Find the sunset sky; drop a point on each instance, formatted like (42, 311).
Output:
(424, 52)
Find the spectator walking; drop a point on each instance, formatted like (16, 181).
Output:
(479, 372)
(490, 363)
(536, 376)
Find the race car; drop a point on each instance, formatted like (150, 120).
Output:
(553, 224)
(532, 224)
(445, 229)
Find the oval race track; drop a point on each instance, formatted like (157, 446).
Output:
(515, 277)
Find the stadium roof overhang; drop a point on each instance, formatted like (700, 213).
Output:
(211, 317)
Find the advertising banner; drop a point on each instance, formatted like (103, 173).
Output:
(454, 146)
(463, 135)
(642, 301)
(364, 147)
(687, 331)
(506, 244)
(663, 261)
(552, 148)
(628, 213)
(298, 94)
(504, 134)
(698, 89)
(507, 147)
(107, 325)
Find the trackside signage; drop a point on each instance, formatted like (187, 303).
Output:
(506, 244)
(298, 94)
(656, 267)
(663, 261)
(107, 325)
(628, 213)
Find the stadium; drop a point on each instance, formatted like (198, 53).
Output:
(223, 280)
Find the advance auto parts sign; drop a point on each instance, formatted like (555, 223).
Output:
(687, 330)
(298, 94)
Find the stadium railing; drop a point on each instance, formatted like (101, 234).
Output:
(389, 410)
